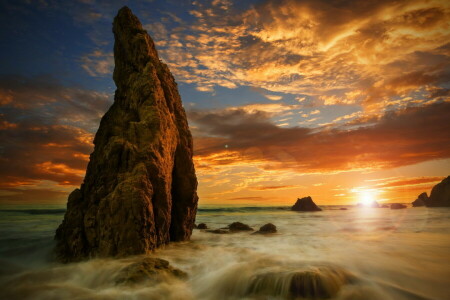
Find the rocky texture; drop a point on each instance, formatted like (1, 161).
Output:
(202, 226)
(148, 269)
(305, 204)
(397, 206)
(440, 194)
(421, 200)
(238, 226)
(267, 229)
(140, 186)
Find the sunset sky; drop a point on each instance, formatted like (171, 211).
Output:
(285, 99)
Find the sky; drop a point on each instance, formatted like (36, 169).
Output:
(331, 99)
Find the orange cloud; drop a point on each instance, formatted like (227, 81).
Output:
(237, 137)
(273, 187)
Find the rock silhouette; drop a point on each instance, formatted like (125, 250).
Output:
(305, 204)
(421, 200)
(139, 191)
(440, 194)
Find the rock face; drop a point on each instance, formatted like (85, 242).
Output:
(440, 194)
(421, 200)
(305, 204)
(140, 186)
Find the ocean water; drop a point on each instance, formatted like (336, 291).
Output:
(359, 253)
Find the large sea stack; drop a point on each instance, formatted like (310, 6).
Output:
(140, 186)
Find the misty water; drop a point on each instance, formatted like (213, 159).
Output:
(359, 253)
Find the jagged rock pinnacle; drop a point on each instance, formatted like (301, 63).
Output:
(139, 191)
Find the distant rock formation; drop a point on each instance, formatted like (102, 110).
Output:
(305, 204)
(421, 200)
(440, 194)
(397, 206)
(140, 186)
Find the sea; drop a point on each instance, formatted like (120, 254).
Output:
(342, 252)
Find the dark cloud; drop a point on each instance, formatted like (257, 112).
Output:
(46, 130)
(44, 99)
(405, 137)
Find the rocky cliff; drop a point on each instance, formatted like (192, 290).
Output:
(440, 194)
(140, 186)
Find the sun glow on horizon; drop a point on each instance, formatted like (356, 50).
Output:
(367, 197)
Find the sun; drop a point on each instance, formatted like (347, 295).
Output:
(367, 197)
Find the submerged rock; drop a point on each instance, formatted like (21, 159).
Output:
(140, 189)
(421, 200)
(440, 194)
(311, 283)
(238, 226)
(148, 269)
(397, 206)
(202, 226)
(305, 204)
(266, 229)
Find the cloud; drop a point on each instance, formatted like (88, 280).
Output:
(46, 130)
(98, 63)
(273, 187)
(408, 182)
(412, 135)
(374, 54)
(274, 97)
(45, 99)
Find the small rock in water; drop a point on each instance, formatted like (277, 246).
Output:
(343, 208)
(148, 269)
(265, 229)
(397, 206)
(202, 226)
(238, 226)
(305, 204)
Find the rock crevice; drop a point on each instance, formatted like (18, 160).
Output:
(139, 191)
